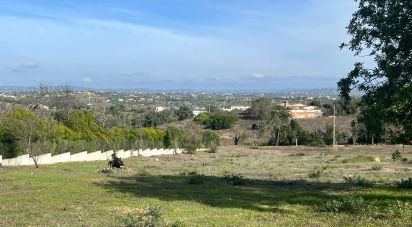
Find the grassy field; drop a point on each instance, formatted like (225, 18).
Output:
(238, 186)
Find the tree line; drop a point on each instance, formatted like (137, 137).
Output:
(24, 131)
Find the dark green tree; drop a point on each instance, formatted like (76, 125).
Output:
(261, 108)
(382, 30)
(174, 138)
(28, 129)
(184, 113)
(203, 118)
(222, 120)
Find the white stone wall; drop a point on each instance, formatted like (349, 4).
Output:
(48, 158)
(95, 156)
(107, 155)
(64, 157)
(44, 159)
(79, 157)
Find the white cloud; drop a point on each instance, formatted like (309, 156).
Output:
(258, 75)
(25, 66)
(87, 79)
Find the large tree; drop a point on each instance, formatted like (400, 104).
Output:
(28, 129)
(382, 29)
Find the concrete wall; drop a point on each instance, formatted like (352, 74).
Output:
(107, 155)
(48, 158)
(65, 157)
(79, 157)
(127, 154)
(44, 159)
(95, 156)
(119, 153)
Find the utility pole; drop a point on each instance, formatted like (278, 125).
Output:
(334, 125)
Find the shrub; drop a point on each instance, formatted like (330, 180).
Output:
(203, 118)
(222, 120)
(396, 156)
(407, 184)
(190, 148)
(184, 113)
(213, 148)
(373, 209)
(209, 137)
(350, 205)
(376, 167)
(151, 217)
(315, 173)
(358, 181)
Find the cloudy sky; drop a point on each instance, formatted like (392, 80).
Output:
(175, 44)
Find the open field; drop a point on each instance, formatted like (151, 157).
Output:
(238, 186)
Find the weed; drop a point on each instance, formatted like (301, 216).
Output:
(143, 173)
(358, 158)
(396, 155)
(151, 217)
(315, 174)
(376, 167)
(190, 173)
(177, 223)
(213, 148)
(297, 155)
(405, 183)
(374, 209)
(352, 205)
(358, 181)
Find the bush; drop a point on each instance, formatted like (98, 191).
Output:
(373, 209)
(209, 137)
(222, 120)
(203, 118)
(315, 174)
(152, 217)
(376, 167)
(184, 113)
(190, 148)
(213, 148)
(406, 184)
(396, 156)
(350, 205)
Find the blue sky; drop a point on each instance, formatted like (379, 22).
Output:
(175, 44)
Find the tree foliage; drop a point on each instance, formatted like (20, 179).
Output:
(184, 113)
(222, 120)
(382, 29)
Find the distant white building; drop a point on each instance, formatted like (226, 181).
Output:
(232, 108)
(160, 108)
(241, 108)
(197, 112)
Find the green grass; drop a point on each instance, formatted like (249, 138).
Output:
(238, 186)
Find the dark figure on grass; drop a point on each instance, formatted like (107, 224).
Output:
(116, 162)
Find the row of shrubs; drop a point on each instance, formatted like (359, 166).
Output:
(75, 131)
